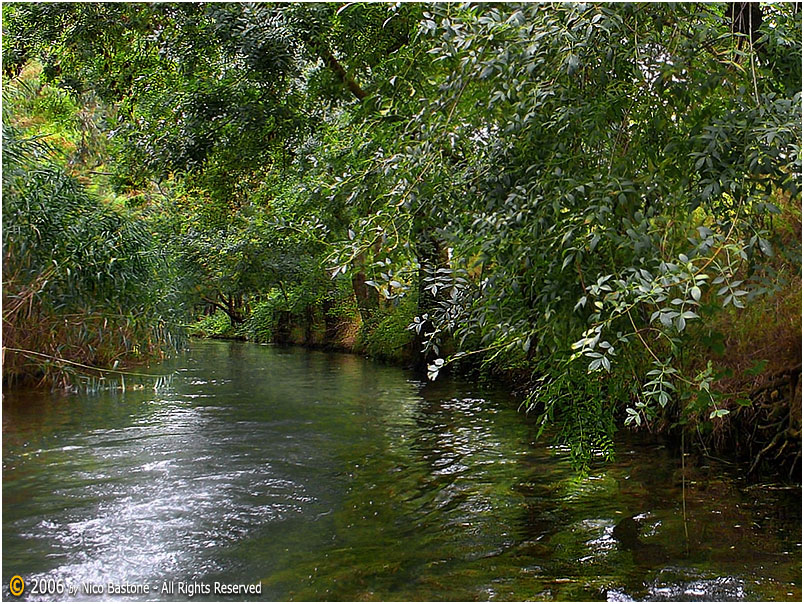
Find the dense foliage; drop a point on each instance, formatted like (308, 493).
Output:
(574, 193)
(85, 285)
(609, 192)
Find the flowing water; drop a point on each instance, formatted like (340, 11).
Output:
(324, 476)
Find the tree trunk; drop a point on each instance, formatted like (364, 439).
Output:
(330, 323)
(367, 297)
(309, 324)
(227, 305)
(335, 66)
(234, 314)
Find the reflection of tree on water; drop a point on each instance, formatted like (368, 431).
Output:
(449, 489)
(436, 493)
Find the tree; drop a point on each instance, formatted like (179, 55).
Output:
(84, 286)
(215, 94)
(609, 174)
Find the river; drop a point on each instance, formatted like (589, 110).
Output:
(323, 476)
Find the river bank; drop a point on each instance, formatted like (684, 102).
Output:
(762, 430)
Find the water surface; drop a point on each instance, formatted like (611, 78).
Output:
(328, 477)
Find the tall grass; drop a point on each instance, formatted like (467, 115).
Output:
(84, 285)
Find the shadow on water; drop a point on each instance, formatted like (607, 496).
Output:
(327, 477)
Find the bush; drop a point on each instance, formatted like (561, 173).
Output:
(260, 326)
(212, 326)
(388, 337)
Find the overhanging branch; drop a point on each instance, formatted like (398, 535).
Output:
(335, 66)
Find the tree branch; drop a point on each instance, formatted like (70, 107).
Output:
(335, 66)
(216, 304)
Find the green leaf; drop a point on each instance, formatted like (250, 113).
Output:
(757, 368)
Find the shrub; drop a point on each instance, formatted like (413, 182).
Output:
(388, 336)
(260, 325)
(217, 325)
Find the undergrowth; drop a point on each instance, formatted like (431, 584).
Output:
(217, 325)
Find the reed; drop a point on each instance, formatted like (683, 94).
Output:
(84, 286)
